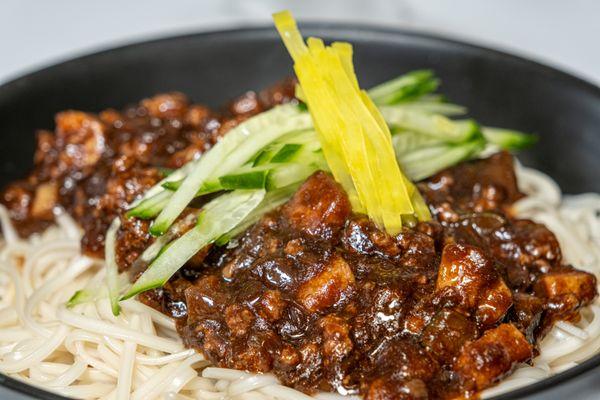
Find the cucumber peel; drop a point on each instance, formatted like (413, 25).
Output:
(218, 217)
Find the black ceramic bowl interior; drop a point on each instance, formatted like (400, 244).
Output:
(499, 90)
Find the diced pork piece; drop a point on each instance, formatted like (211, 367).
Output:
(239, 319)
(530, 247)
(197, 115)
(246, 104)
(270, 305)
(46, 198)
(327, 287)
(409, 248)
(494, 303)
(204, 298)
(487, 359)
(319, 208)
(566, 290)
(183, 156)
(168, 105)
(336, 338)
(446, 334)
(82, 140)
(418, 248)
(363, 237)
(17, 197)
(258, 243)
(403, 369)
(466, 270)
(128, 181)
(527, 314)
(251, 354)
(280, 93)
(480, 185)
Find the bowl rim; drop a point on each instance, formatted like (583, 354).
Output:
(377, 33)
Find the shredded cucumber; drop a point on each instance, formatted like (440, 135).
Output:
(152, 206)
(112, 270)
(508, 139)
(278, 169)
(286, 153)
(289, 174)
(264, 156)
(432, 125)
(433, 107)
(230, 153)
(271, 201)
(422, 163)
(161, 242)
(218, 217)
(245, 180)
(409, 86)
(158, 188)
(406, 141)
(95, 289)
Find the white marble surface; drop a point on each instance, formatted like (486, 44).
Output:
(563, 33)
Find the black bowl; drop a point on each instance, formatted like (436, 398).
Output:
(499, 89)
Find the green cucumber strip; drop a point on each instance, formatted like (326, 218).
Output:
(152, 206)
(263, 157)
(300, 137)
(80, 297)
(286, 153)
(306, 137)
(281, 125)
(433, 98)
(94, 290)
(409, 86)
(406, 141)
(159, 243)
(434, 107)
(246, 180)
(112, 270)
(157, 189)
(271, 201)
(220, 216)
(231, 152)
(289, 174)
(172, 185)
(508, 139)
(422, 163)
(206, 188)
(436, 125)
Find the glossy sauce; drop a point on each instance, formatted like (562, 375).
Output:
(313, 292)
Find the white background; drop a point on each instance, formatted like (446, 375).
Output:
(563, 33)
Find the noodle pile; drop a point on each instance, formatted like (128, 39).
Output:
(86, 352)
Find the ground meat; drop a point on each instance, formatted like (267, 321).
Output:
(94, 165)
(313, 292)
(351, 308)
(487, 359)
